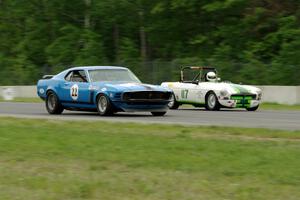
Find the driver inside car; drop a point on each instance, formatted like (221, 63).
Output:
(211, 77)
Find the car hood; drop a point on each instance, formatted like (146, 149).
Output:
(234, 88)
(128, 87)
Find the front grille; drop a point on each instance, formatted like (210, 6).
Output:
(117, 96)
(243, 96)
(243, 100)
(146, 96)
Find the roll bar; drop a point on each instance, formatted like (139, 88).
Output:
(200, 68)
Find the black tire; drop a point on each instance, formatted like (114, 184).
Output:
(211, 102)
(173, 105)
(158, 113)
(53, 105)
(253, 108)
(104, 106)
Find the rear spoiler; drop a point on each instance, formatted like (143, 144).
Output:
(48, 76)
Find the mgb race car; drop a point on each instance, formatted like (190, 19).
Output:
(104, 89)
(204, 88)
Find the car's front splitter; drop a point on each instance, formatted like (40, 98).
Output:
(140, 107)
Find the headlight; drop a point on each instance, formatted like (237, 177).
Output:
(224, 93)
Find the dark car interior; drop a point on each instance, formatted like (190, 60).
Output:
(76, 76)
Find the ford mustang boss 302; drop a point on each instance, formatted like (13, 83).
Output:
(200, 86)
(105, 89)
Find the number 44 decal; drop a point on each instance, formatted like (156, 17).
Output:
(184, 94)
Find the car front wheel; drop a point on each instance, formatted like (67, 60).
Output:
(53, 105)
(104, 106)
(212, 102)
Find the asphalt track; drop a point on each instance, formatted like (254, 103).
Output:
(288, 120)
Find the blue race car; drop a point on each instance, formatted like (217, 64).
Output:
(105, 89)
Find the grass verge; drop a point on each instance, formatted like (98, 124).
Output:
(41, 159)
(276, 106)
(25, 100)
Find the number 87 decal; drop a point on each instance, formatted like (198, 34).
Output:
(74, 92)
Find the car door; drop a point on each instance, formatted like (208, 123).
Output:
(199, 93)
(75, 88)
(189, 92)
(185, 92)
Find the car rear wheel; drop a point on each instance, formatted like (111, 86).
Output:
(52, 104)
(211, 102)
(173, 104)
(158, 113)
(253, 108)
(104, 106)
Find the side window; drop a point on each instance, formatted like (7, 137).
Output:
(69, 76)
(76, 76)
(82, 75)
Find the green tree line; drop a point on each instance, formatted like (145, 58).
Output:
(250, 41)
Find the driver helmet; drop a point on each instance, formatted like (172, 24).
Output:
(211, 77)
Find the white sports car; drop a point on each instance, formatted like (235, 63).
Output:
(204, 88)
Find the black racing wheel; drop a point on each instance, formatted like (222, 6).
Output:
(211, 101)
(104, 106)
(52, 104)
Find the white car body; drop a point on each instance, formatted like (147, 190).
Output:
(229, 95)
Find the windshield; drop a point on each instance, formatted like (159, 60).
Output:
(122, 75)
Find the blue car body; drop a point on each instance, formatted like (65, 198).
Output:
(124, 96)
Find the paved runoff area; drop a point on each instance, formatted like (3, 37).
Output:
(288, 120)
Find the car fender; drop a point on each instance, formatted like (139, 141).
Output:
(51, 88)
(210, 91)
(44, 86)
(97, 93)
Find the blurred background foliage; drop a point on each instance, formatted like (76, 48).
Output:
(249, 41)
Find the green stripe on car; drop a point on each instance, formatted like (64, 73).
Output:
(239, 89)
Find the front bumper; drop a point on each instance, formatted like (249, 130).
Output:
(240, 101)
(236, 104)
(141, 106)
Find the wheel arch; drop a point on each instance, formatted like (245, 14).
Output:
(50, 90)
(58, 109)
(111, 107)
(100, 93)
(217, 105)
(207, 93)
